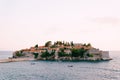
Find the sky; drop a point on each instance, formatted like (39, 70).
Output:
(25, 23)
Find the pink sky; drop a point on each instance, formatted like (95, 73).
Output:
(24, 23)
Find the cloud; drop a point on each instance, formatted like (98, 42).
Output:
(107, 20)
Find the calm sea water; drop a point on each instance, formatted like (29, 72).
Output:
(53, 70)
(5, 54)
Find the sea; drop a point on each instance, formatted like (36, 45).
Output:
(60, 70)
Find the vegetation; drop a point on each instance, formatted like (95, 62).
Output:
(63, 54)
(82, 51)
(59, 43)
(35, 55)
(78, 52)
(46, 54)
(75, 53)
(48, 44)
(19, 54)
(72, 44)
(87, 45)
(90, 55)
(36, 46)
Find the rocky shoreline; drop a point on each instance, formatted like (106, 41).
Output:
(31, 59)
(74, 59)
(15, 60)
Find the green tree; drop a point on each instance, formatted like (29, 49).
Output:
(36, 46)
(45, 54)
(88, 44)
(48, 44)
(78, 52)
(62, 49)
(63, 54)
(90, 55)
(52, 53)
(60, 54)
(81, 52)
(84, 44)
(19, 54)
(58, 43)
(72, 44)
(35, 55)
(75, 52)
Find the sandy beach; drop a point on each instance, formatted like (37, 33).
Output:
(15, 60)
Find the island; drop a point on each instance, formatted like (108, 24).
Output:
(61, 50)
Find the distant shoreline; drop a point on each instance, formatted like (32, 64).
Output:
(15, 60)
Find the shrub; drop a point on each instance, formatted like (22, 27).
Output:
(48, 44)
(63, 54)
(90, 55)
(78, 52)
(75, 53)
(47, 54)
(35, 55)
(36, 46)
(19, 54)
